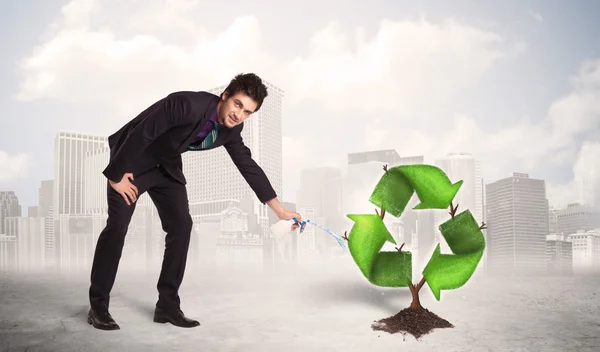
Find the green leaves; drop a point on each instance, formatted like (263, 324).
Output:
(365, 240)
(394, 269)
(466, 241)
(398, 184)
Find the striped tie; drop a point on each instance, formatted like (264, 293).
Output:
(209, 140)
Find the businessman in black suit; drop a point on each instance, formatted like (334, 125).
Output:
(145, 156)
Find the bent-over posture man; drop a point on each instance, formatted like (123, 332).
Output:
(145, 156)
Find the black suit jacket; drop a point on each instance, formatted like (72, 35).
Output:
(162, 132)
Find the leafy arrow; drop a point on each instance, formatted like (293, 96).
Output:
(393, 192)
(397, 186)
(394, 269)
(466, 241)
(365, 240)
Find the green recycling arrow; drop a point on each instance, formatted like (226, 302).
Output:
(398, 184)
(368, 235)
(466, 241)
(365, 240)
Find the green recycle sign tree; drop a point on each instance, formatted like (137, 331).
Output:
(369, 234)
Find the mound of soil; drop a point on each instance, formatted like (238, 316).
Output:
(415, 322)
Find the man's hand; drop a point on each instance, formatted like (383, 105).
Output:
(285, 214)
(125, 188)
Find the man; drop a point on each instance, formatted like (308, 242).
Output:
(145, 156)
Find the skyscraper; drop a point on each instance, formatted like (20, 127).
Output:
(9, 207)
(70, 149)
(517, 221)
(46, 210)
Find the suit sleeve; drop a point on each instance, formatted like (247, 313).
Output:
(253, 174)
(171, 111)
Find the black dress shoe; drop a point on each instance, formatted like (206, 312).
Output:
(102, 321)
(175, 317)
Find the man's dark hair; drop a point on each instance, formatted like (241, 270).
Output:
(249, 84)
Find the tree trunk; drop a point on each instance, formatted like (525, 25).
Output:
(416, 303)
(414, 289)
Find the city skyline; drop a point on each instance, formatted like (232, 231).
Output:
(63, 239)
(576, 190)
(231, 226)
(503, 96)
(311, 139)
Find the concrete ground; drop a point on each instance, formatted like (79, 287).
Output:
(325, 309)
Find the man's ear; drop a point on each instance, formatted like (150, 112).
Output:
(224, 96)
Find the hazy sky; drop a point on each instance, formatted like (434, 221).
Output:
(516, 83)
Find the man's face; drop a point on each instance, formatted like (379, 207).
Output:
(235, 109)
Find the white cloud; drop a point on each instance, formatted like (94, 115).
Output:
(526, 144)
(129, 62)
(83, 65)
(77, 13)
(400, 68)
(404, 67)
(13, 167)
(408, 73)
(537, 16)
